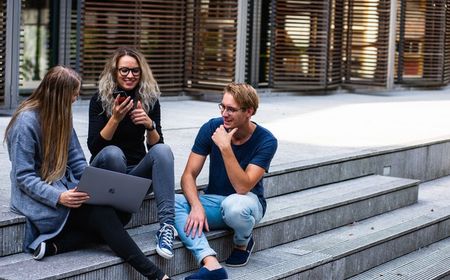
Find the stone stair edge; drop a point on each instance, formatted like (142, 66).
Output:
(431, 262)
(150, 250)
(323, 257)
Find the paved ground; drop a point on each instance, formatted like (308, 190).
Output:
(309, 128)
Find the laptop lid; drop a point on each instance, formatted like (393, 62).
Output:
(121, 191)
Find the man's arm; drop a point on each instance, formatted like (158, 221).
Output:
(242, 180)
(196, 220)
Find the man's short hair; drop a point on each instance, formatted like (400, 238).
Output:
(244, 94)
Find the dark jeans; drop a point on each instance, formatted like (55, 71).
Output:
(157, 164)
(91, 223)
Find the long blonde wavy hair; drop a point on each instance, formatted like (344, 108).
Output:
(148, 92)
(53, 101)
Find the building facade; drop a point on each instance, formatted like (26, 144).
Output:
(197, 46)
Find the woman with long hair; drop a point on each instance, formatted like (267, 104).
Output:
(47, 162)
(125, 134)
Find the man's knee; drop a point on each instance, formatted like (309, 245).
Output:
(234, 207)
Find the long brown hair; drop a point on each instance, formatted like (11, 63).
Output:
(148, 90)
(52, 99)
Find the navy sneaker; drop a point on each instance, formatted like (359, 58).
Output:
(164, 240)
(240, 257)
(204, 273)
(39, 253)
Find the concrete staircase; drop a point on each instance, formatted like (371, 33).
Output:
(333, 219)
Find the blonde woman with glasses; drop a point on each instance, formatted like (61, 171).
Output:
(125, 134)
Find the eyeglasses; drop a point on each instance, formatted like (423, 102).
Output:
(124, 71)
(229, 110)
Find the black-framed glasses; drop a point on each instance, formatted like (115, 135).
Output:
(228, 109)
(124, 71)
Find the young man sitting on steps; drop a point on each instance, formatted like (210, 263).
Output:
(240, 153)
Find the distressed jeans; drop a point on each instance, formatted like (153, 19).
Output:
(239, 212)
(157, 164)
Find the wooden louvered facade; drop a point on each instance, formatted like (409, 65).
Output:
(366, 42)
(446, 78)
(157, 28)
(2, 51)
(422, 56)
(300, 52)
(195, 46)
(211, 30)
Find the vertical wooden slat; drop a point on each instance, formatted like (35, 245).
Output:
(301, 44)
(446, 77)
(210, 44)
(366, 42)
(421, 42)
(155, 27)
(336, 33)
(2, 50)
(76, 35)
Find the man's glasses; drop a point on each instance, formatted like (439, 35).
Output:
(124, 71)
(229, 110)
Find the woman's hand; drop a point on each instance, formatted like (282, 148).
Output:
(120, 110)
(139, 116)
(73, 198)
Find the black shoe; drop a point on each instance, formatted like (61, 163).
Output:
(240, 257)
(39, 253)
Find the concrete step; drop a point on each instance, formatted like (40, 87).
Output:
(353, 249)
(431, 262)
(283, 181)
(297, 215)
(422, 161)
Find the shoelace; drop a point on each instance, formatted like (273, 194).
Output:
(167, 235)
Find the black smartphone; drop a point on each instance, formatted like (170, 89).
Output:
(122, 95)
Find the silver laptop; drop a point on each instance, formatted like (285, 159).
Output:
(121, 191)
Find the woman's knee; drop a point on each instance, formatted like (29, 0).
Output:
(111, 158)
(162, 151)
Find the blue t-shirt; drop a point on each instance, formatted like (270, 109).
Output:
(258, 150)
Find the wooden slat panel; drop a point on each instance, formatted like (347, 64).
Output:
(421, 40)
(335, 65)
(2, 50)
(301, 44)
(446, 79)
(210, 43)
(154, 27)
(366, 24)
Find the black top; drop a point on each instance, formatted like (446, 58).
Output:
(128, 136)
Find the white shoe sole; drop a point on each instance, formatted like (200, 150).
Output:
(162, 253)
(41, 254)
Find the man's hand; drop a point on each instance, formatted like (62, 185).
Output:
(222, 138)
(195, 222)
(73, 198)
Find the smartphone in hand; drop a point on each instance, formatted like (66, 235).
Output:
(122, 95)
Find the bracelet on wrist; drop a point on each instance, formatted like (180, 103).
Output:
(153, 126)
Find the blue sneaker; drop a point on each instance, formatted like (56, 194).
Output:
(240, 257)
(164, 240)
(204, 273)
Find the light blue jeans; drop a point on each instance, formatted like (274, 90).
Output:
(239, 212)
(157, 164)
